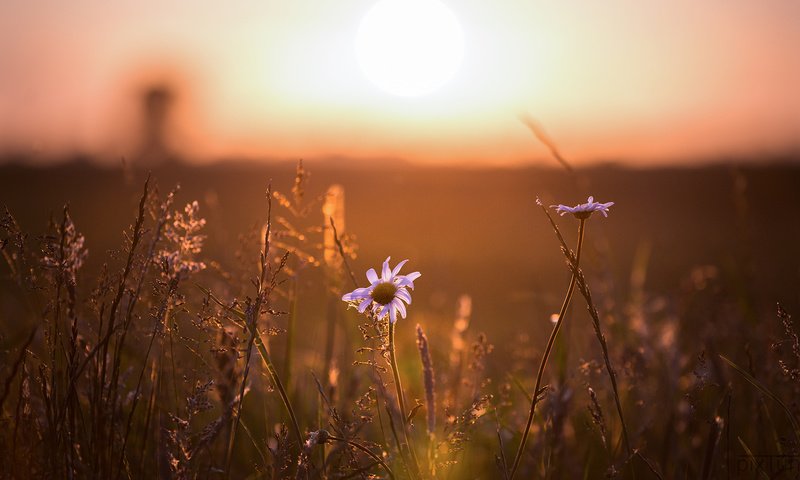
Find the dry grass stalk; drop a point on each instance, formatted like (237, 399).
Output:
(429, 380)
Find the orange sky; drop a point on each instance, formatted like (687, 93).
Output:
(638, 81)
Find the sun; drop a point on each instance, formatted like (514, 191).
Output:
(409, 48)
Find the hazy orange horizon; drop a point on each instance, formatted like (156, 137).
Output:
(638, 82)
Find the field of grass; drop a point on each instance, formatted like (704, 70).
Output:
(150, 331)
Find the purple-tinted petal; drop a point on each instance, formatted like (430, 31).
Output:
(398, 267)
(364, 304)
(403, 294)
(387, 272)
(403, 281)
(363, 296)
(583, 209)
(400, 306)
(357, 294)
(413, 276)
(372, 276)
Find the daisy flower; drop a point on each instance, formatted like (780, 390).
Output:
(584, 210)
(386, 293)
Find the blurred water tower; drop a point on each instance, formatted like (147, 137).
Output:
(154, 149)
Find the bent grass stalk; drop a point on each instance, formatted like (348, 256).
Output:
(259, 344)
(366, 450)
(584, 288)
(761, 388)
(550, 342)
(265, 357)
(262, 350)
(249, 322)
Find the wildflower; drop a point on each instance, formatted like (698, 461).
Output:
(186, 242)
(583, 211)
(386, 293)
(68, 254)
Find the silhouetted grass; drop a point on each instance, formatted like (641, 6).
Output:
(172, 360)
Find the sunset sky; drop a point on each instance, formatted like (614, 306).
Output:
(619, 80)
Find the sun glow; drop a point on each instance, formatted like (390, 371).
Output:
(409, 47)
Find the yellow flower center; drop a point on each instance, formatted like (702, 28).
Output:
(384, 292)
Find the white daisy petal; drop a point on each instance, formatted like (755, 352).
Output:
(372, 276)
(584, 210)
(412, 276)
(387, 272)
(398, 267)
(364, 304)
(387, 295)
(356, 294)
(403, 294)
(401, 307)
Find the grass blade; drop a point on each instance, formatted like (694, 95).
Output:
(765, 391)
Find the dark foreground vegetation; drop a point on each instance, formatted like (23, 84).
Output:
(149, 331)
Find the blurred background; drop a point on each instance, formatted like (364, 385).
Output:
(640, 83)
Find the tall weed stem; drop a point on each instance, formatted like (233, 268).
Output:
(550, 342)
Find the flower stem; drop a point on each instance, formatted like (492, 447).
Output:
(395, 371)
(401, 400)
(550, 342)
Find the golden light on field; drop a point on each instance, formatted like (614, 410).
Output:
(409, 47)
